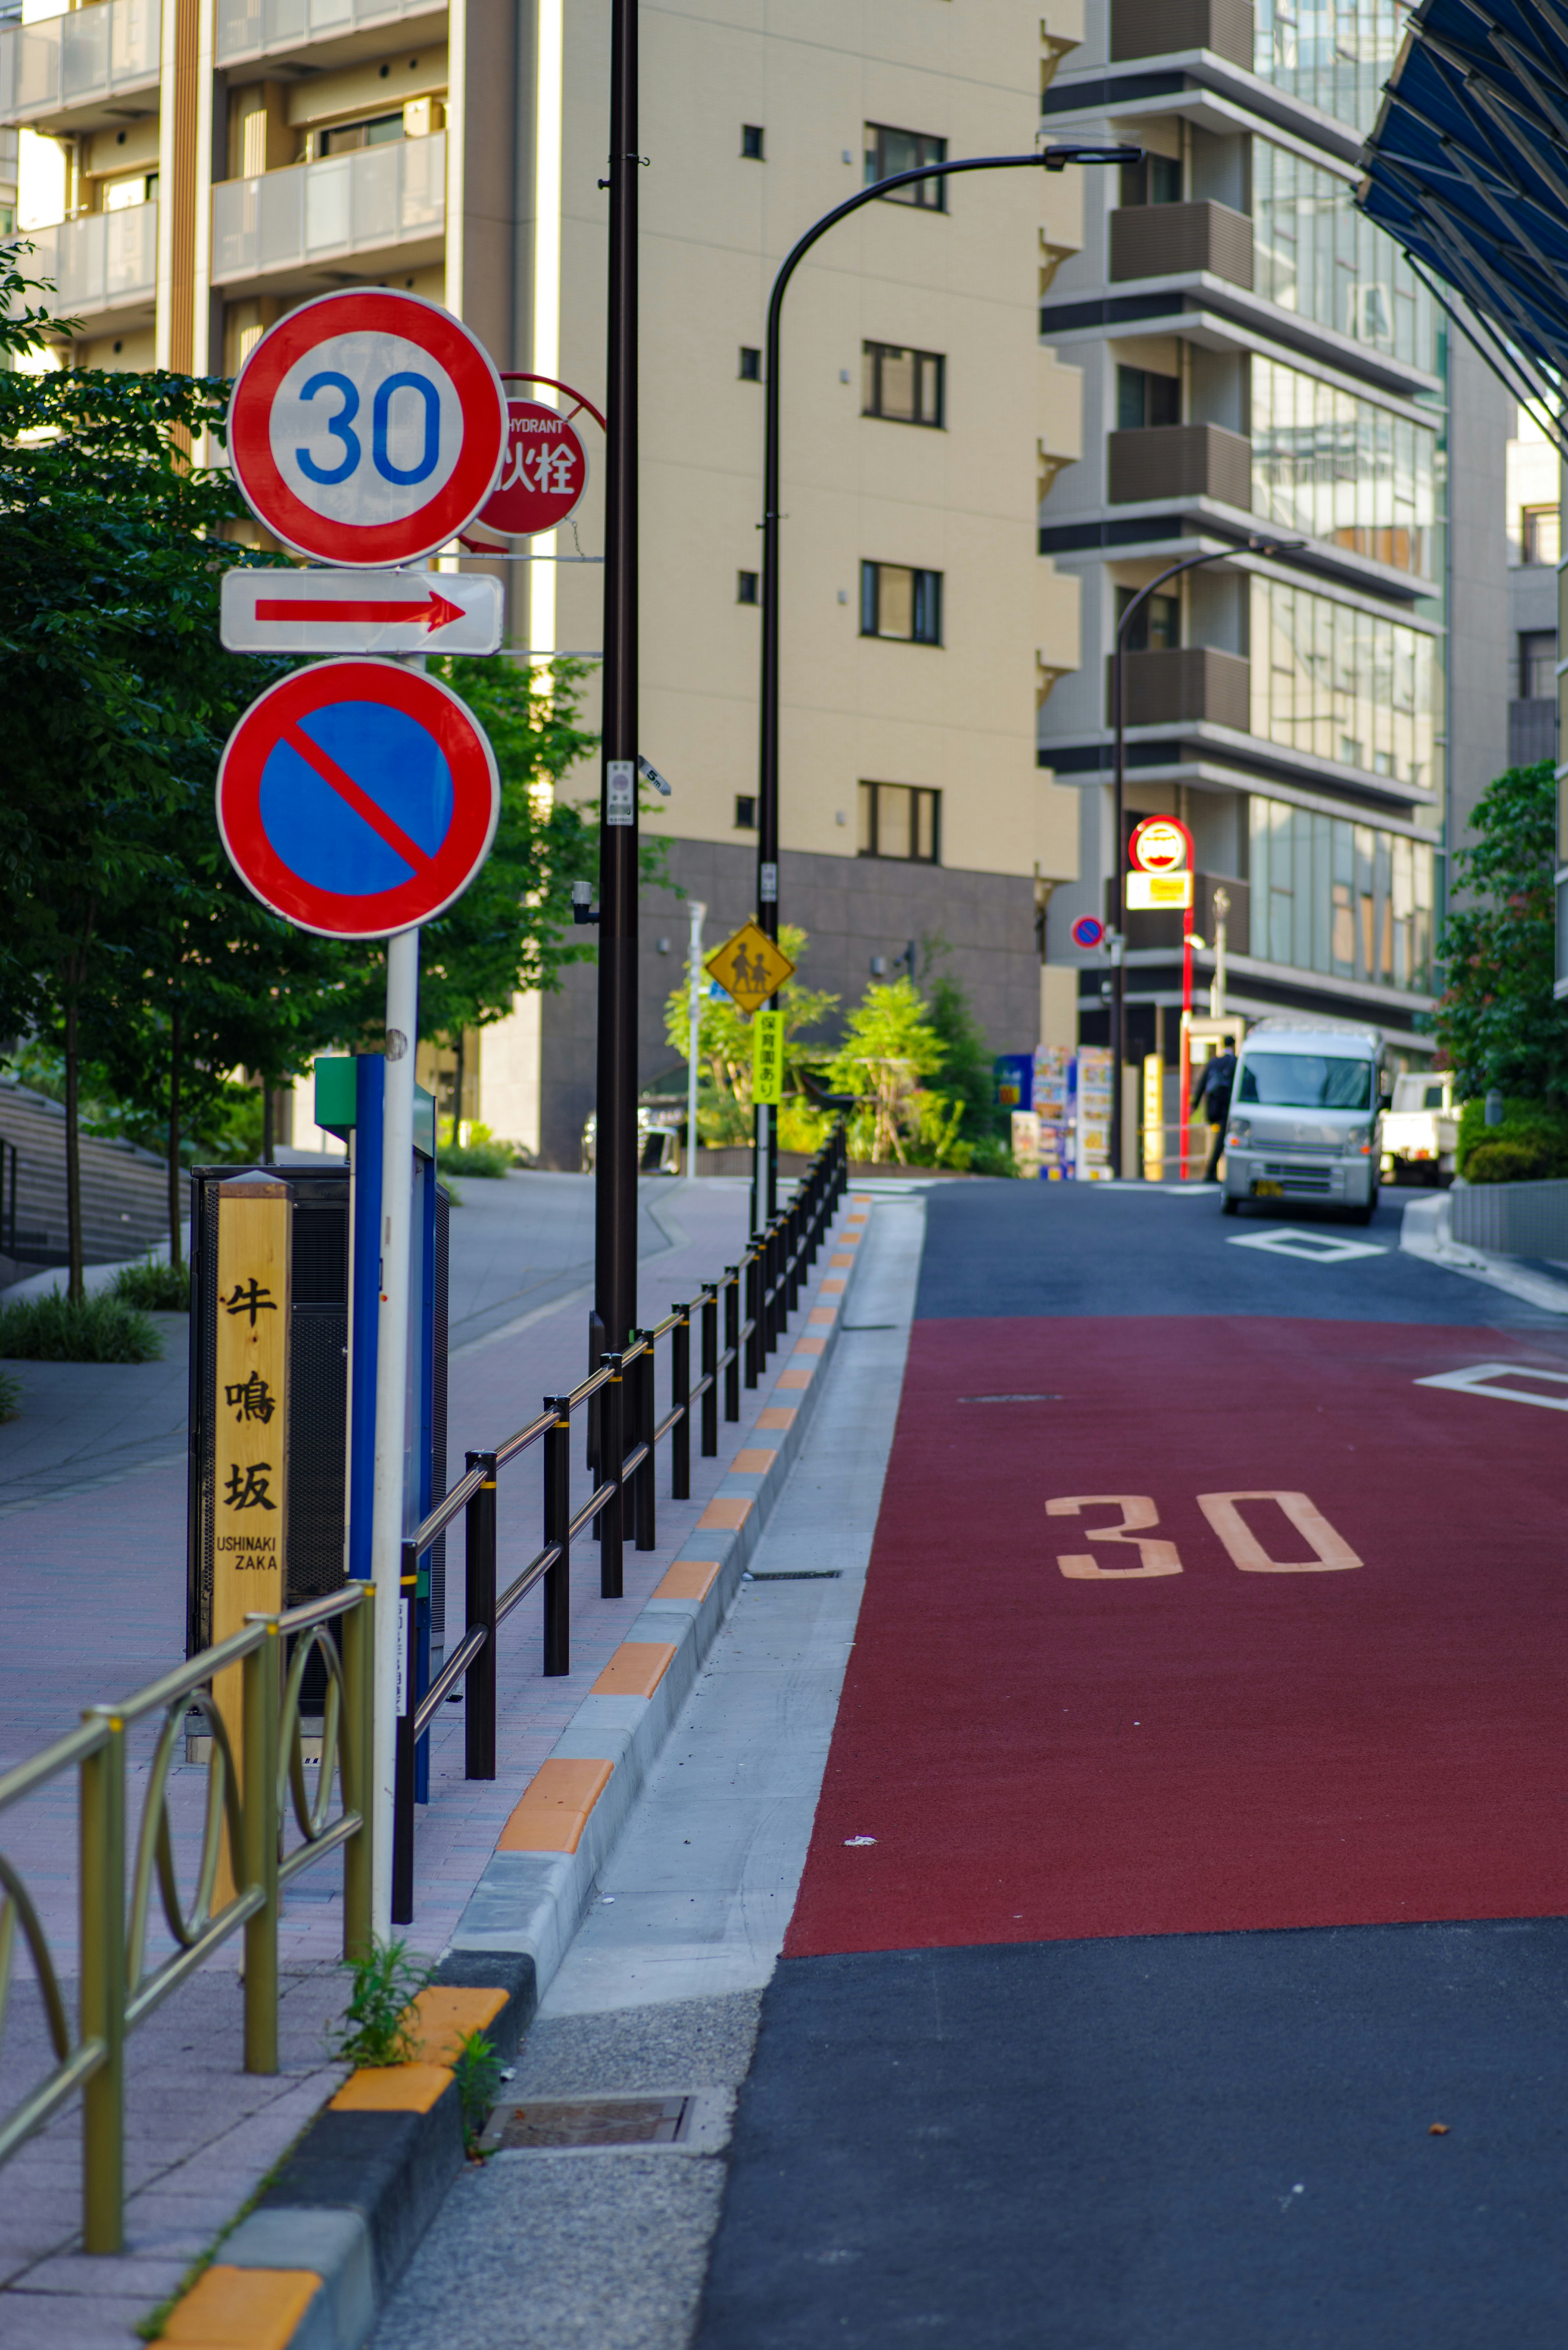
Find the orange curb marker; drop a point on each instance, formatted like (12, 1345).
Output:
(833, 1288)
(635, 1668)
(776, 1416)
(820, 1313)
(796, 1374)
(809, 1345)
(841, 1260)
(242, 2309)
(688, 1578)
(445, 2014)
(391, 2089)
(725, 1513)
(754, 1461)
(556, 1805)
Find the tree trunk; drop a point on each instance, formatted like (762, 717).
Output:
(457, 1091)
(76, 1289)
(176, 1222)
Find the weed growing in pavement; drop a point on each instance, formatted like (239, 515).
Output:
(157, 1286)
(98, 1328)
(477, 2072)
(379, 2022)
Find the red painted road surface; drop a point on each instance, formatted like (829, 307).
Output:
(1041, 1755)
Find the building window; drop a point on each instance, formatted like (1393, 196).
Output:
(1542, 530)
(745, 812)
(379, 132)
(1156, 623)
(751, 365)
(746, 587)
(1348, 899)
(900, 820)
(752, 141)
(1144, 398)
(897, 602)
(1152, 180)
(1314, 253)
(1342, 684)
(889, 152)
(142, 188)
(1538, 662)
(1329, 465)
(904, 387)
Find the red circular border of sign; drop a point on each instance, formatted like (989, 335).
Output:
(508, 530)
(1136, 862)
(476, 797)
(446, 340)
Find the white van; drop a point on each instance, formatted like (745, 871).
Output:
(1306, 1115)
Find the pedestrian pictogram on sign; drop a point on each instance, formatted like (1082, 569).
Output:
(368, 427)
(543, 477)
(357, 798)
(767, 1059)
(751, 966)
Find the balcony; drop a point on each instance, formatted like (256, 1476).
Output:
(379, 202)
(1179, 240)
(104, 267)
(1183, 686)
(61, 73)
(1180, 460)
(259, 28)
(1158, 29)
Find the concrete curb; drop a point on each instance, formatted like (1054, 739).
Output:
(314, 2263)
(1426, 1231)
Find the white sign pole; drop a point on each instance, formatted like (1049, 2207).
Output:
(699, 913)
(387, 1515)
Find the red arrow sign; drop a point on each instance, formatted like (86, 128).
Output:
(434, 611)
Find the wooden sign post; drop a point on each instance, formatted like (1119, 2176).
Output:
(250, 1415)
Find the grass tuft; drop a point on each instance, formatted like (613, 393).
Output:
(10, 1396)
(99, 1329)
(378, 2026)
(154, 1285)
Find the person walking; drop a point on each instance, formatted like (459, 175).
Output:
(1213, 1089)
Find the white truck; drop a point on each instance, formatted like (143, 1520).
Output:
(1421, 1130)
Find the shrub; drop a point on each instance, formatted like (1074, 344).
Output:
(10, 1395)
(98, 1328)
(155, 1287)
(482, 1154)
(1508, 1162)
(1534, 1132)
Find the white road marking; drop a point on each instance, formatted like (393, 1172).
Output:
(1315, 1248)
(1476, 1378)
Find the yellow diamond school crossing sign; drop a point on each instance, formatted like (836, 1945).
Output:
(750, 967)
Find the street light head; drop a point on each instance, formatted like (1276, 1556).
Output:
(1277, 546)
(1055, 158)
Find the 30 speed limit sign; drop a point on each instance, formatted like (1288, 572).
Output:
(367, 427)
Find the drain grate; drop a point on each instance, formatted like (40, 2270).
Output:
(800, 1575)
(581, 2121)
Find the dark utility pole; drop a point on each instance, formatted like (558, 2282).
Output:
(764, 1180)
(615, 1148)
(1118, 844)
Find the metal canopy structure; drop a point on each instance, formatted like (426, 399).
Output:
(1467, 166)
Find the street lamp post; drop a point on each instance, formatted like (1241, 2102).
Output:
(764, 1180)
(1118, 845)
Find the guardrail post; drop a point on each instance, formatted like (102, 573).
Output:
(754, 1312)
(799, 1232)
(403, 1765)
(772, 1252)
(263, 1687)
(101, 1860)
(643, 1424)
(558, 1519)
(710, 1371)
(612, 1471)
(358, 1747)
(732, 1341)
(680, 1401)
(479, 1607)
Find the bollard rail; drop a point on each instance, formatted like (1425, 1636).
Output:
(756, 1298)
(244, 1825)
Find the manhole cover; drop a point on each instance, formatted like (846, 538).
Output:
(599, 2121)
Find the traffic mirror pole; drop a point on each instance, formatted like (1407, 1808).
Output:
(764, 1153)
(615, 1145)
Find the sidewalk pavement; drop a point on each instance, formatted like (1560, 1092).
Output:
(202, 2132)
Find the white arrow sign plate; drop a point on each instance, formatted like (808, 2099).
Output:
(360, 612)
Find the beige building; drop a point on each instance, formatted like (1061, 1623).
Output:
(190, 171)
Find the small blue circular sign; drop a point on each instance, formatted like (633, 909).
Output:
(1087, 932)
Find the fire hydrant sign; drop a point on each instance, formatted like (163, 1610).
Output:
(544, 476)
(357, 798)
(368, 427)
(750, 966)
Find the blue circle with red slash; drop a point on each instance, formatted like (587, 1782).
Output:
(357, 798)
(1088, 931)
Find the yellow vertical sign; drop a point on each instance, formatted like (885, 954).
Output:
(250, 1416)
(767, 1058)
(1153, 1118)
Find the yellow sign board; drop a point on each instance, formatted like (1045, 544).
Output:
(750, 967)
(767, 1058)
(1153, 1118)
(1146, 890)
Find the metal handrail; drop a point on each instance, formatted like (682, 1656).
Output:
(769, 1279)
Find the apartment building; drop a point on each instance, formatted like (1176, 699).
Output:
(1258, 358)
(192, 169)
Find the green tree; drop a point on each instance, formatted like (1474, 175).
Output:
(724, 1040)
(890, 1044)
(1497, 1020)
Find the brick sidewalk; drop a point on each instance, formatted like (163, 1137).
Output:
(118, 1554)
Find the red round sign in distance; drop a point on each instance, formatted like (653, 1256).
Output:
(544, 476)
(357, 798)
(1160, 844)
(368, 427)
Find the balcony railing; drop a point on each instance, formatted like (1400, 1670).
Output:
(1180, 460)
(1158, 29)
(72, 61)
(1183, 685)
(252, 27)
(315, 213)
(1175, 240)
(105, 261)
